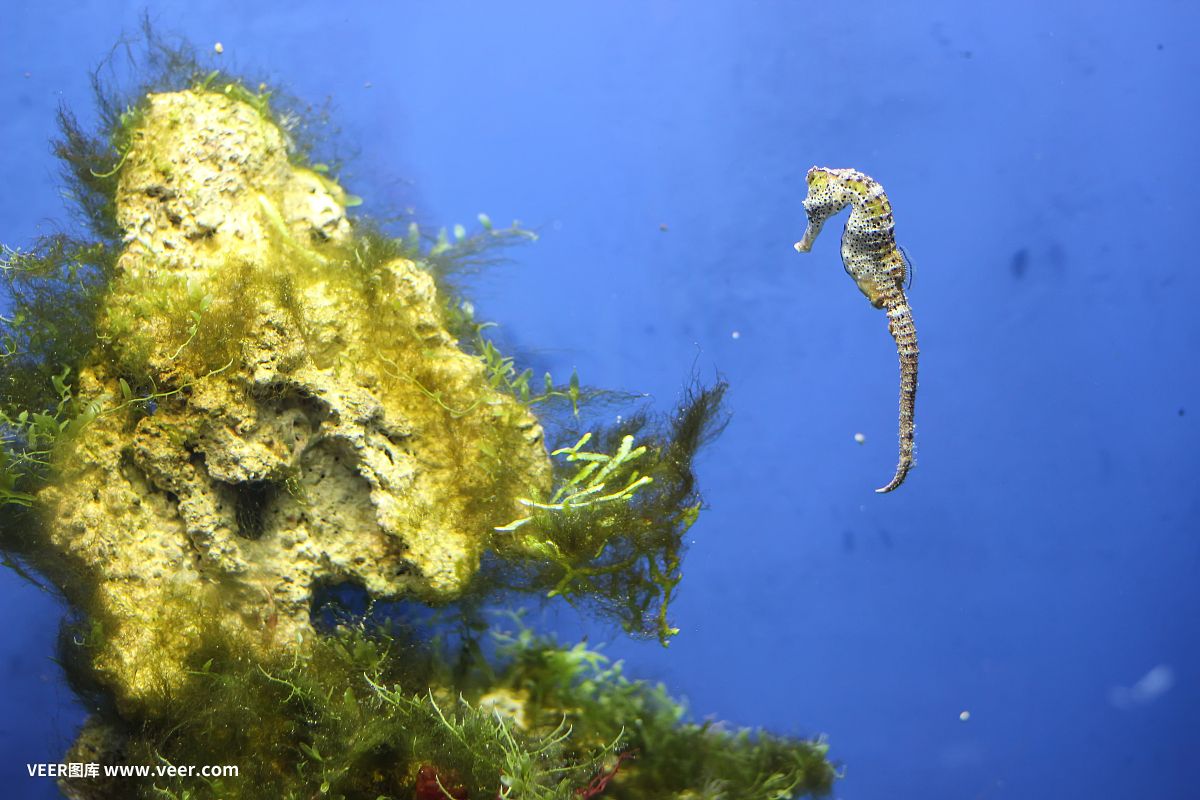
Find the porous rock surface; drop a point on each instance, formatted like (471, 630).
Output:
(291, 453)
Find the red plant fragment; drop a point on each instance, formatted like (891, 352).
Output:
(600, 782)
(428, 788)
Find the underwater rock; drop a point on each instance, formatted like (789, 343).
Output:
(97, 743)
(278, 414)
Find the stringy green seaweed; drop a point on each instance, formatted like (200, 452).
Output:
(355, 720)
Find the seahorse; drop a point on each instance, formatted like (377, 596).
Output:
(878, 266)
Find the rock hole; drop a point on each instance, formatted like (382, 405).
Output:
(251, 501)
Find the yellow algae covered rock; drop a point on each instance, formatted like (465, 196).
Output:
(235, 395)
(309, 418)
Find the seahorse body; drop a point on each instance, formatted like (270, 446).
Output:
(878, 266)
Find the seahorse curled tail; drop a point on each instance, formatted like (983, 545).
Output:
(900, 325)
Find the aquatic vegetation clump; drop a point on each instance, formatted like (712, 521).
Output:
(377, 715)
(667, 755)
(611, 532)
(235, 396)
(54, 288)
(270, 417)
(54, 293)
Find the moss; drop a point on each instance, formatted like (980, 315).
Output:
(353, 719)
(365, 712)
(90, 168)
(54, 292)
(251, 352)
(667, 755)
(56, 287)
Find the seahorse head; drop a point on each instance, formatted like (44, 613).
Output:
(829, 191)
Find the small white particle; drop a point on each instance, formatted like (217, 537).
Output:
(736, 334)
(964, 716)
(218, 48)
(858, 437)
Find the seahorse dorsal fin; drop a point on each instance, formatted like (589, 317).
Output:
(908, 267)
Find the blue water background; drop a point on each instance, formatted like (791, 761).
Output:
(1042, 161)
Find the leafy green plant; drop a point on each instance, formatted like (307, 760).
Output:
(587, 487)
(503, 376)
(28, 439)
(610, 534)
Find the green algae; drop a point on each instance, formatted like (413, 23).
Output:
(610, 536)
(367, 709)
(229, 678)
